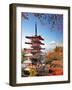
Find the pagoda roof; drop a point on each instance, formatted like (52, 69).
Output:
(35, 37)
(34, 43)
(37, 48)
(34, 49)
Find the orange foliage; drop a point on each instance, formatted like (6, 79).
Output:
(56, 71)
(55, 54)
(56, 64)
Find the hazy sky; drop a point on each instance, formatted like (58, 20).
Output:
(52, 35)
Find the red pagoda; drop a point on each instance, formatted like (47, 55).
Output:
(35, 42)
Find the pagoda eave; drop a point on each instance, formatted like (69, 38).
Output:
(35, 43)
(37, 48)
(35, 37)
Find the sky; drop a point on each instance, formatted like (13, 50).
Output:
(52, 34)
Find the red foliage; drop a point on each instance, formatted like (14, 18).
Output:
(56, 71)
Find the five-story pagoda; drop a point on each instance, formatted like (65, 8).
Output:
(35, 42)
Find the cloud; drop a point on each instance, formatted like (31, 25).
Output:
(52, 42)
(51, 45)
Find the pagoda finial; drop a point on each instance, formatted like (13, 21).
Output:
(35, 29)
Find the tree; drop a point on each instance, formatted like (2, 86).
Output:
(23, 57)
(53, 20)
(56, 55)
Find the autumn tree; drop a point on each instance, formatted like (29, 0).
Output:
(52, 20)
(56, 54)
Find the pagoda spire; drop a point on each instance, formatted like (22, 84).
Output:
(35, 29)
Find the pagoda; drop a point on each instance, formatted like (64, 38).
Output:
(35, 42)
